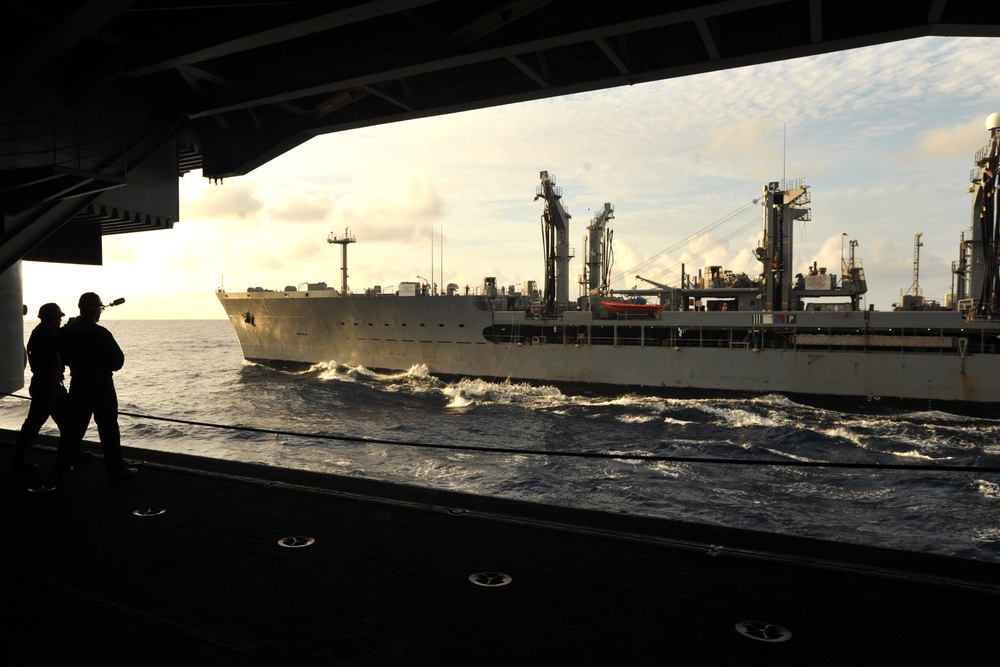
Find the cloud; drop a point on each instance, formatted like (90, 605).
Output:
(301, 207)
(755, 139)
(400, 210)
(123, 252)
(232, 200)
(955, 141)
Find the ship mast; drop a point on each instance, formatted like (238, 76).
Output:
(342, 241)
(555, 239)
(917, 245)
(780, 212)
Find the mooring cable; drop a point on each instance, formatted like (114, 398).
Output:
(621, 456)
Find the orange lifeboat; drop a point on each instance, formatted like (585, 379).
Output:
(630, 307)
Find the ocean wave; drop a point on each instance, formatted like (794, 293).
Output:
(988, 535)
(740, 417)
(988, 489)
(331, 370)
(636, 419)
(917, 454)
(469, 391)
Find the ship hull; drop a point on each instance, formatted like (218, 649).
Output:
(942, 364)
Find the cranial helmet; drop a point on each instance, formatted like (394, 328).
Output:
(50, 311)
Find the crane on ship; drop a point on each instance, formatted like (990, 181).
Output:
(555, 241)
(986, 224)
(599, 253)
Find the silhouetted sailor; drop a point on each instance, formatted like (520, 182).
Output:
(48, 395)
(93, 356)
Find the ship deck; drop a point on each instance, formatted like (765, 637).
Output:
(184, 565)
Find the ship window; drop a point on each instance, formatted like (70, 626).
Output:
(423, 325)
(404, 324)
(386, 324)
(461, 326)
(440, 325)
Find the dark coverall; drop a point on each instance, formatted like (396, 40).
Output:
(92, 355)
(48, 396)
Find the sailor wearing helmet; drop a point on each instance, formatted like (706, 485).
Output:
(48, 395)
(93, 356)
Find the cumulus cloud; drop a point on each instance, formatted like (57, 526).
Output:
(400, 210)
(232, 200)
(755, 139)
(301, 207)
(959, 140)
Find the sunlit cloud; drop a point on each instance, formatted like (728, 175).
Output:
(301, 207)
(233, 199)
(952, 141)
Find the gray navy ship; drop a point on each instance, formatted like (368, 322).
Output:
(805, 336)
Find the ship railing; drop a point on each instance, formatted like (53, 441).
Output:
(981, 156)
(913, 341)
(630, 341)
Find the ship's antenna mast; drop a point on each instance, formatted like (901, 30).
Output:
(915, 287)
(343, 241)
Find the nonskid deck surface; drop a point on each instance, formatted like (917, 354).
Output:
(186, 565)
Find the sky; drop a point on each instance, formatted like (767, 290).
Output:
(884, 136)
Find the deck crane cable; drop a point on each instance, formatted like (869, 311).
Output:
(746, 227)
(683, 242)
(676, 246)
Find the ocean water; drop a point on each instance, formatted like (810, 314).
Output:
(186, 388)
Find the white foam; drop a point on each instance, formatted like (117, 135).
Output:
(988, 489)
(636, 419)
(475, 390)
(738, 417)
